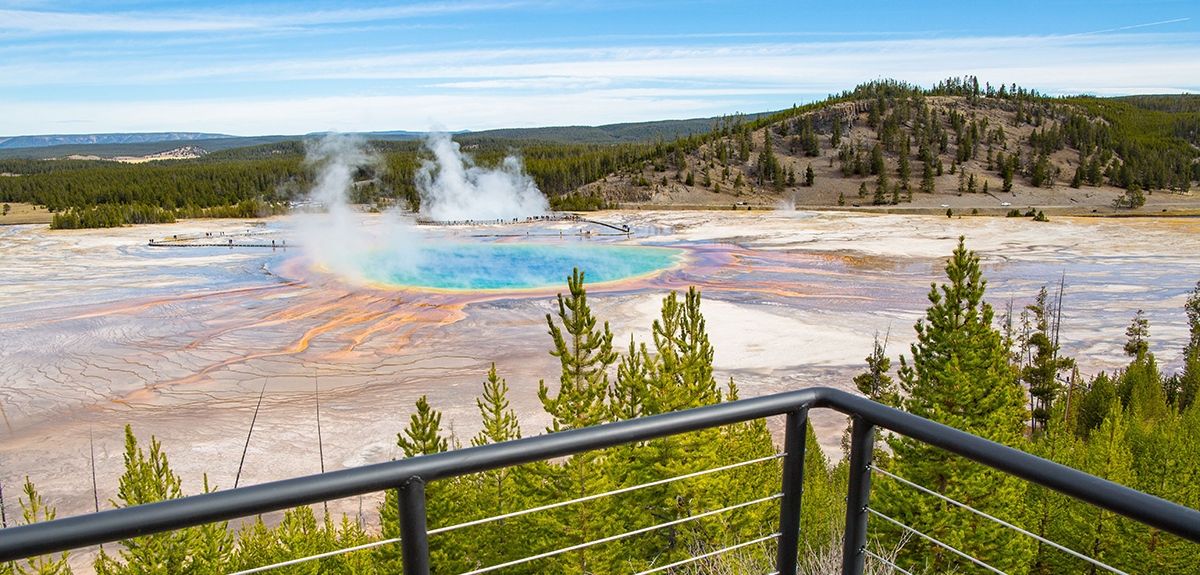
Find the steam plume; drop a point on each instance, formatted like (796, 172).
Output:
(452, 187)
(339, 241)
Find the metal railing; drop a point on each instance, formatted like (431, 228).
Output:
(409, 477)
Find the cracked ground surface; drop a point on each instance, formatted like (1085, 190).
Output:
(99, 330)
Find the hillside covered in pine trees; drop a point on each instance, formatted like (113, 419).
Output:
(959, 143)
(883, 146)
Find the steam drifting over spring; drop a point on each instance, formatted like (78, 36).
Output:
(452, 187)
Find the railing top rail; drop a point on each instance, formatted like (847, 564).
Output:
(128, 522)
(1142, 507)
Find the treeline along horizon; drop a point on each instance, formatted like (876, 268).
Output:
(1137, 143)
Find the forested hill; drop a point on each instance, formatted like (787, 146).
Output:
(884, 142)
(1186, 103)
(889, 143)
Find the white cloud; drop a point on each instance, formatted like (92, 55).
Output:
(137, 22)
(345, 114)
(1093, 62)
(34, 21)
(482, 88)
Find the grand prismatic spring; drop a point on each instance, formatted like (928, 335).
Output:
(98, 329)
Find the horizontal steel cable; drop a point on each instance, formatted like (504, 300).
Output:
(621, 536)
(1004, 523)
(514, 514)
(605, 494)
(885, 562)
(939, 543)
(709, 554)
(315, 557)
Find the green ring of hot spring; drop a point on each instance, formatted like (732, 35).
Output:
(512, 266)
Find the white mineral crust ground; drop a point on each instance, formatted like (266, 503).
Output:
(98, 330)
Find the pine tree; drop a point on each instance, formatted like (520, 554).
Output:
(875, 383)
(494, 492)
(1095, 404)
(685, 372)
(1105, 536)
(585, 354)
(300, 535)
(1006, 172)
(148, 478)
(927, 182)
(823, 503)
(35, 510)
(1048, 516)
(959, 376)
(500, 423)
(444, 500)
(1045, 364)
(809, 176)
(423, 436)
(678, 375)
(881, 184)
(634, 372)
(1141, 391)
(877, 165)
(1189, 379)
(1191, 307)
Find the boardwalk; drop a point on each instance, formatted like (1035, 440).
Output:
(257, 239)
(247, 239)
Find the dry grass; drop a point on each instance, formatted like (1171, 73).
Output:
(825, 560)
(25, 214)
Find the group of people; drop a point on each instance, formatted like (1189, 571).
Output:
(528, 219)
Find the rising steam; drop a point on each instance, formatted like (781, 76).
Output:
(340, 241)
(452, 187)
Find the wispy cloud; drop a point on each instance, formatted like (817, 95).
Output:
(275, 116)
(493, 63)
(139, 22)
(1132, 27)
(40, 21)
(754, 66)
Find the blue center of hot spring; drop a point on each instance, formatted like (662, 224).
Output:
(463, 266)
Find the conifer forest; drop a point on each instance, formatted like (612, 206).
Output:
(1006, 135)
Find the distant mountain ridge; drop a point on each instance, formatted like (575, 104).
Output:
(626, 133)
(121, 138)
(144, 143)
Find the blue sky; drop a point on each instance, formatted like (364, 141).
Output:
(296, 67)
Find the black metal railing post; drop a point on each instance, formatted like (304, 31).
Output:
(858, 496)
(414, 539)
(794, 439)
